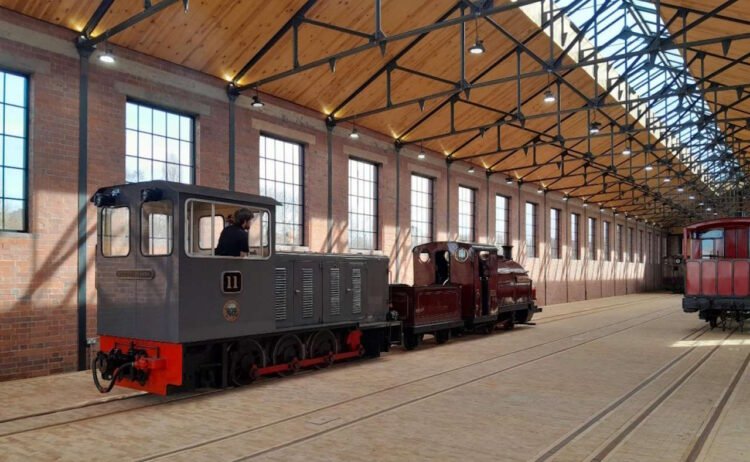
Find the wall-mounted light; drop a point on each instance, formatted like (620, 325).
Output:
(471, 169)
(257, 103)
(509, 180)
(540, 191)
(107, 56)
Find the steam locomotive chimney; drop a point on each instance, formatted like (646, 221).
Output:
(508, 252)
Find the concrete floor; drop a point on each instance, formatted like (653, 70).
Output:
(626, 378)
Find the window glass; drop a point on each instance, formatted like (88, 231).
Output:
(205, 222)
(575, 242)
(466, 214)
(209, 231)
(606, 241)
(711, 243)
(592, 238)
(281, 177)
(363, 205)
(421, 209)
(158, 145)
(620, 244)
(531, 230)
(502, 220)
(554, 232)
(13, 152)
(114, 226)
(157, 228)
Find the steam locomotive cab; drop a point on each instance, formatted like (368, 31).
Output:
(174, 313)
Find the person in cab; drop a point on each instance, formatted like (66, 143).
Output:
(233, 241)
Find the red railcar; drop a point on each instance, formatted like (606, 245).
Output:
(462, 286)
(717, 269)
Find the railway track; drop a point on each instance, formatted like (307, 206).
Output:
(580, 313)
(201, 444)
(109, 406)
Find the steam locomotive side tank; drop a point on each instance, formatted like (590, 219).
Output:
(174, 314)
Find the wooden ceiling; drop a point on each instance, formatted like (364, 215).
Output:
(218, 37)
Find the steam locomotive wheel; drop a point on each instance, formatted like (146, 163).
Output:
(289, 350)
(323, 343)
(411, 341)
(245, 357)
(442, 336)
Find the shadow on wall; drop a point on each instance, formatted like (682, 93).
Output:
(38, 332)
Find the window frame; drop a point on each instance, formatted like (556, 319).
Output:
(532, 248)
(591, 238)
(431, 208)
(575, 236)
(26, 228)
(100, 226)
(301, 166)
(505, 221)
(555, 231)
(169, 110)
(473, 215)
(376, 199)
(186, 234)
(140, 229)
(606, 240)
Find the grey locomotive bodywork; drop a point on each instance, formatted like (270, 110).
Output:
(184, 297)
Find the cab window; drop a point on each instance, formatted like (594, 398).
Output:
(206, 220)
(157, 228)
(114, 231)
(711, 243)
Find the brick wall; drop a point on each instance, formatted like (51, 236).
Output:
(38, 329)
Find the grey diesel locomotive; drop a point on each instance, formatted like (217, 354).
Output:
(174, 314)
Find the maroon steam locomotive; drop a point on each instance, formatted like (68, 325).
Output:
(717, 270)
(462, 287)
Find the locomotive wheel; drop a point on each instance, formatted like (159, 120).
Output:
(411, 341)
(245, 358)
(322, 343)
(289, 349)
(486, 329)
(442, 336)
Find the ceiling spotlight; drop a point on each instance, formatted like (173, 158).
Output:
(627, 151)
(708, 209)
(477, 48)
(667, 179)
(716, 213)
(680, 189)
(691, 197)
(700, 203)
(649, 168)
(471, 169)
(595, 128)
(420, 156)
(585, 204)
(549, 97)
(540, 191)
(565, 198)
(509, 180)
(354, 133)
